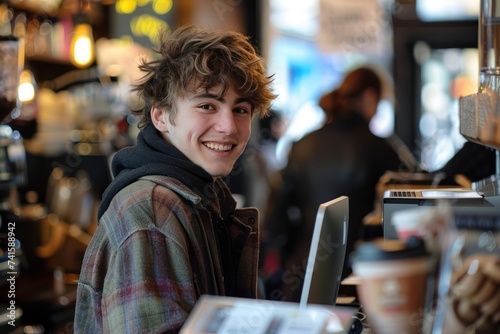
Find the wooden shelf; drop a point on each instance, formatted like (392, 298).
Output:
(48, 59)
(67, 8)
(46, 67)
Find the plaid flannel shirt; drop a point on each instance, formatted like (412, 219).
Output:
(153, 255)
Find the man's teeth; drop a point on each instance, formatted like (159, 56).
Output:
(218, 147)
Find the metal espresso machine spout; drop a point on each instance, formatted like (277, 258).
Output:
(480, 112)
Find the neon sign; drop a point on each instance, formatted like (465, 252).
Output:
(146, 16)
(160, 7)
(147, 25)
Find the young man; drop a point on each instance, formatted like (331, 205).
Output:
(169, 230)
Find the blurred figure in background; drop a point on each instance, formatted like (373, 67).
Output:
(472, 163)
(341, 158)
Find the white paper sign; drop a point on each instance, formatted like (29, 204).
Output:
(353, 26)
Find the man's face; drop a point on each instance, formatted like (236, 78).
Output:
(212, 132)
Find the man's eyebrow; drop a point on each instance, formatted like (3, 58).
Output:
(207, 95)
(219, 98)
(243, 100)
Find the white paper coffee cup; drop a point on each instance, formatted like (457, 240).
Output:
(392, 288)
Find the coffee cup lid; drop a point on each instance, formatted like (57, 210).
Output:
(384, 249)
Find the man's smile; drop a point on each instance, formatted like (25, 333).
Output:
(218, 147)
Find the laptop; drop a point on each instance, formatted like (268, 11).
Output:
(404, 199)
(230, 315)
(327, 253)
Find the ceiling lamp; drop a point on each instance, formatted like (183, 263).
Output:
(82, 48)
(27, 87)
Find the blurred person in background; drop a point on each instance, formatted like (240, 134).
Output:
(472, 163)
(343, 158)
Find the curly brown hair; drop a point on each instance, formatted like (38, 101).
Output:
(192, 57)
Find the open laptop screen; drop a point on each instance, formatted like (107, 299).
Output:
(327, 253)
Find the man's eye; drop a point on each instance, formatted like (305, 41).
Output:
(206, 106)
(242, 111)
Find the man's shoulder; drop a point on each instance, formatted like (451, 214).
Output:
(168, 185)
(139, 197)
(140, 206)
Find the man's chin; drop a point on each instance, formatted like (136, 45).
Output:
(219, 173)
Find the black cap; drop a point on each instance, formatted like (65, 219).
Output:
(384, 249)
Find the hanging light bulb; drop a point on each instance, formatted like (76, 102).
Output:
(82, 48)
(27, 87)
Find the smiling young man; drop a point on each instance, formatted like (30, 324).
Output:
(169, 230)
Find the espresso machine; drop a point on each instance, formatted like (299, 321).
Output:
(12, 170)
(474, 234)
(480, 112)
(12, 153)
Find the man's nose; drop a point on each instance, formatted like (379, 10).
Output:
(225, 122)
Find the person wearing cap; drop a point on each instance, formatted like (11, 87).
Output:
(343, 158)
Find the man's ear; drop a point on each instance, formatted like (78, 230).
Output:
(159, 118)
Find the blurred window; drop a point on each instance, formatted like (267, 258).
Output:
(447, 10)
(446, 75)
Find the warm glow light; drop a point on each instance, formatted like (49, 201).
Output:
(82, 46)
(162, 7)
(130, 6)
(26, 88)
(147, 25)
(26, 92)
(125, 6)
(83, 54)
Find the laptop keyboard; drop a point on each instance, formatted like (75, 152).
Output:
(404, 194)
